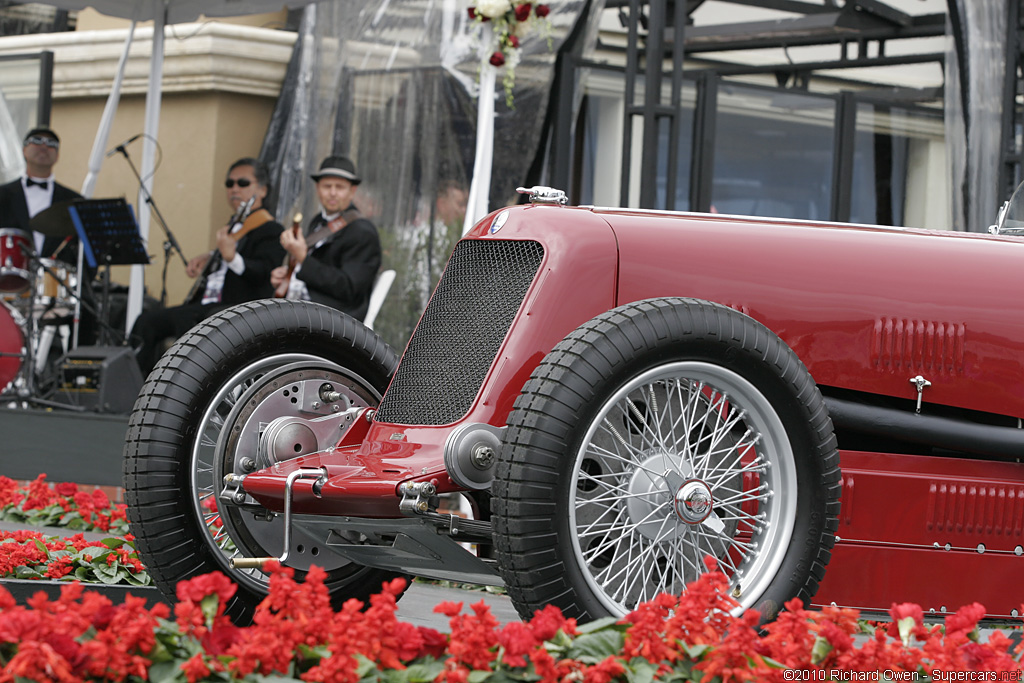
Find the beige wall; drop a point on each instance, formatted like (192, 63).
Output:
(91, 20)
(200, 136)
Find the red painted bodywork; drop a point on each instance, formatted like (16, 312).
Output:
(866, 308)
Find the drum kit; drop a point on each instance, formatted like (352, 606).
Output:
(37, 302)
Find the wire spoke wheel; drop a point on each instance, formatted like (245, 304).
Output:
(655, 436)
(266, 389)
(677, 466)
(199, 417)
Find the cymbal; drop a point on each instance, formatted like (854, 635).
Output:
(55, 221)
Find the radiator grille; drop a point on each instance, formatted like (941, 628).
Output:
(458, 337)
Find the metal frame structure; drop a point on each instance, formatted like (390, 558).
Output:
(44, 100)
(860, 29)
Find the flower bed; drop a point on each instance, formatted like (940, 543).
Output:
(31, 555)
(63, 505)
(27, 554)
(297, 636)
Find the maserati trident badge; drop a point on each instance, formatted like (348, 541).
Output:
(499, 221)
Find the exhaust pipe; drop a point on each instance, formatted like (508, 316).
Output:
(1000, 443)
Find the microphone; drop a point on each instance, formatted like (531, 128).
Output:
(120, 148)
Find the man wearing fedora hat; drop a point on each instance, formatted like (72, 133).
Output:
(336, 261)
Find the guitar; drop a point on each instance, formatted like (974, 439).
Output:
(195, 294)
(282, 289)
(324, 231)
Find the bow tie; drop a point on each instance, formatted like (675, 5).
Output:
(45, 184)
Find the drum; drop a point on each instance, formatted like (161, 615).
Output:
(15, 275)
(56, 291)
(12, 343)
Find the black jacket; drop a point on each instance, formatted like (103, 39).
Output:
(14, 214)
(261, 248)
(340, 272)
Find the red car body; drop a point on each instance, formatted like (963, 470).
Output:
(829, 410)
(866, 309)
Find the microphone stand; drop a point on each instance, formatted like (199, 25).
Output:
(170, 242)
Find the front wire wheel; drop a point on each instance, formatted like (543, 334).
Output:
(656, 435)
(200, 414)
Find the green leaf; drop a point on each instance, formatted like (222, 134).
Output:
(209, 605)
(600, 625)
(166, 671)
(596, 646)
(695, 651)
(424, 672)
(478, 676)
(641, 671)
(24, 572)
(820, 650)
(365, 666)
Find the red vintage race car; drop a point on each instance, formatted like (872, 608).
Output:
(830, 411)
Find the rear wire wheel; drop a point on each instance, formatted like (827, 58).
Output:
(655, 435)
(197, 417)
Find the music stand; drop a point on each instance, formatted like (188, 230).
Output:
(109, 236)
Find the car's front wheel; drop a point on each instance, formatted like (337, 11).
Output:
(654, 436)
(200, 416)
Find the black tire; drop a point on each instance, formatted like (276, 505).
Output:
(596, 504)
(180, 441)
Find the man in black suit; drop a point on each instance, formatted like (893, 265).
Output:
(37, 190)
(336, 261)
(238, 270)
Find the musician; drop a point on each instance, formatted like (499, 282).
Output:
(336, 261)
(236, 271)
(37, 190)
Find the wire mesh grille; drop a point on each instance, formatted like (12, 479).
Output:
(460, 332)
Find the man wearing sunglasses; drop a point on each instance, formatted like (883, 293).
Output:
(236, 271)
(36, 191)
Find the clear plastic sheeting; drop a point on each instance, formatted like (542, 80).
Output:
(393, 85)
(12, 162)
(973, 136)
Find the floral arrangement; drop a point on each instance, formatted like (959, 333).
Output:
(510, 22)
(30, 555)
(63, 505)
(296, 636)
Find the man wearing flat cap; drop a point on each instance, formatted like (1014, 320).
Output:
(336, 261)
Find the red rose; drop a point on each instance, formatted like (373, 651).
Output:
(497, 59)
(472, 12)
(542, 11)
(513, 41)
(523, 11)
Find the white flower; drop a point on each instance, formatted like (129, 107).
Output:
(493, 8)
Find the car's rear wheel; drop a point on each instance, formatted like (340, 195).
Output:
(199, 417)
(655, 435)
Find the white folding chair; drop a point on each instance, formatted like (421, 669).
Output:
(377, 296)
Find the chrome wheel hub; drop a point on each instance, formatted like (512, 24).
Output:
(694, 502)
